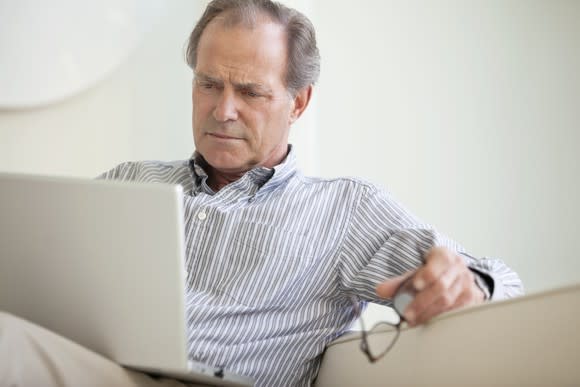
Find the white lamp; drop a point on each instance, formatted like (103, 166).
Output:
(51, 50)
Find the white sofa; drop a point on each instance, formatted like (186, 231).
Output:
(531, 340)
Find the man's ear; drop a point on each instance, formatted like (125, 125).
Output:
(300, 103)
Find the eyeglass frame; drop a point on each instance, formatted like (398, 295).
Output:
(364, 344)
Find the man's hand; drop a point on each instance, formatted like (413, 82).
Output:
(443, 283)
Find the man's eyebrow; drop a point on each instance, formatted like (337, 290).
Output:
(238, 85)
(252, 86)
(207, 78)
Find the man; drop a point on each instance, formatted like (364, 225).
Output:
(274, 258)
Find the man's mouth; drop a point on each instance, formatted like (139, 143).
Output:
(224, 136)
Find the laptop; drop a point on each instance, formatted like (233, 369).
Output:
(102, 263)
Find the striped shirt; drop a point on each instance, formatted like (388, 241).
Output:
(274, 258)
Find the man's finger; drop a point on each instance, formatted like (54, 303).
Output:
(437, 262)
(435, 290)
(443, 302)
(388, 288)
(429, 297)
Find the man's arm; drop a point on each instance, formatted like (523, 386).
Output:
(124, 171)
(385, 244)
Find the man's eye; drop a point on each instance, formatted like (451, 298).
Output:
(251, 94)
(206, 85)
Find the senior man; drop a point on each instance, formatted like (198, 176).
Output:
(274, 258)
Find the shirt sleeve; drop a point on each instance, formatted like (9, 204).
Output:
(383, 240)
(125, 171)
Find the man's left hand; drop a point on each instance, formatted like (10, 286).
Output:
(443, 283)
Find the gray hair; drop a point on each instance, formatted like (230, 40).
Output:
(303, 65)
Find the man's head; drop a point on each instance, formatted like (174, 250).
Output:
(303, 66)
(254, 63)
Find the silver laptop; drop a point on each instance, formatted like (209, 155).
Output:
(101, 263)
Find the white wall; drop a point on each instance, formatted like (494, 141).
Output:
(141, 111)
(466, 111)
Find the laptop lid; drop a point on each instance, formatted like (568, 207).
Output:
(101, 263)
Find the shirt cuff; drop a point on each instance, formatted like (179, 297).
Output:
(484, 282)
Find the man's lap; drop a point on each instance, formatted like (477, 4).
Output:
(31, 355)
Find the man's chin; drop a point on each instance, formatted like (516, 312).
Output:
(227, 164)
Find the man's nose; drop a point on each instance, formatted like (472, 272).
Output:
(227, 107)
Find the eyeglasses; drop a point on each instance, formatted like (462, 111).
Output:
(375, 349)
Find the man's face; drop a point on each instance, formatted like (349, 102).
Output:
(242, 111)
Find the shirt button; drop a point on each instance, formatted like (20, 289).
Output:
(201, 215)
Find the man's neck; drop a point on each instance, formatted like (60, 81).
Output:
(218, 179)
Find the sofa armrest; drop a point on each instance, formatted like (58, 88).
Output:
(532, 339)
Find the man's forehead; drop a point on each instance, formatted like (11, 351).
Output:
(243, 55)
(260, 22)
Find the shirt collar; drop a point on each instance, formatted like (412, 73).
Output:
(262, 178)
